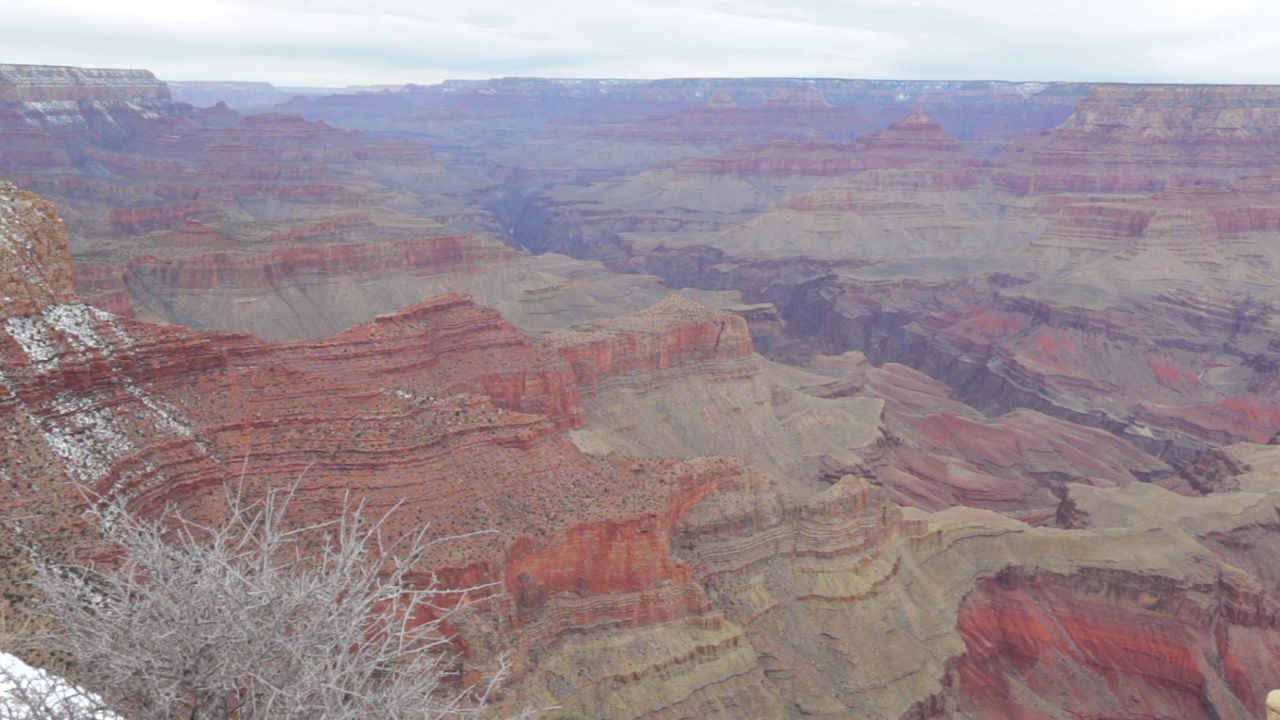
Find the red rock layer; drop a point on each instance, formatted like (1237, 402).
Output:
(167, 416)
(642, 347)
(241, 270)
(421, 408)
(938, 453)
(1112, 644)
(449, 345)
(129, 161)
(619, 572)
(55, 118)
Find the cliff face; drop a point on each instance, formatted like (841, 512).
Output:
(423, 407)
(33, 254)
(448, 345)
(1080, 316)
(46, 83)
(1144, 138)
(1113, 271)
(650, 346)
(1145, 646)
(47, 114)
(122, 161)
(1141, 643)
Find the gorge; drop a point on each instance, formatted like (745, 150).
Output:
(783, 398)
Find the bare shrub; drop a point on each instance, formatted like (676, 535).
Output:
(252, 619)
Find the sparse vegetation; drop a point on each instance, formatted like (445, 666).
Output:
(244, 620)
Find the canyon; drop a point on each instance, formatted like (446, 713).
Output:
(780, 398)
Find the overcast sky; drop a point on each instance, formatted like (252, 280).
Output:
(330, 43)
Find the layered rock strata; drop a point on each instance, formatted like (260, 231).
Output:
(394, 412)
(1126, 289)
(1112, 271)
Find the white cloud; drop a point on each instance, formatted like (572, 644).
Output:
(336, 42)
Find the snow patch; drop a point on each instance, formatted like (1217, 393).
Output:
(76, 322)
(1032, 88)
(88, 439)
(28, 693)
(109, 326)
(55, 112)
(31, 333)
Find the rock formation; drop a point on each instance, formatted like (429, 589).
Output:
(1007, 460)
(54, 116)
(138, 177)
(33, 254)
(164, 415)
(1111, 271)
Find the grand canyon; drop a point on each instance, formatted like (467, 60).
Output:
(781, 398)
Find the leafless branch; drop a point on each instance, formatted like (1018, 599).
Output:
(245, 620)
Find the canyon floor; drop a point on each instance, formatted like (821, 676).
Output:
(782, 398)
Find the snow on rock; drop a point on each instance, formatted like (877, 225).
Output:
(88, 432)
(88, 438)
(76, 321)
(29, 331)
